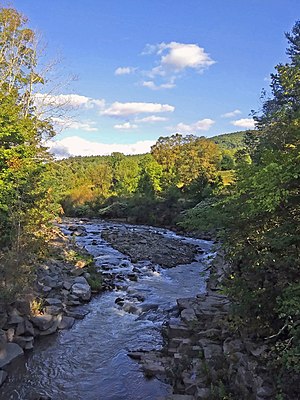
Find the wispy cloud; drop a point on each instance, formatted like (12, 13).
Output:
(76, 146)
(248, 123)
(201, 125)
(118, 109)
(68, 100)
(171, 60)
(126, 126)
(154, 86)
(231, 114)
(125, 70)
(151, 119)
(66, 123)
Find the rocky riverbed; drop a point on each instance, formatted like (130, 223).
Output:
(157, 318)
(140, 294)
(142, 245)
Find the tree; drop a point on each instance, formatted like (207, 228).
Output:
(25, 196)
(260, 220)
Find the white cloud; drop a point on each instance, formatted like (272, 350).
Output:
(118, 109)
(124, 70)
(176, 57)
(66, 123)
(153, 86)
(152, 118)
(76, 146)
(125, 126)
(231, 114)
(201, 125)
(68, 100)
(248, 123)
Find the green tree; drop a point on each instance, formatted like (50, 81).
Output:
(25, 196)
(260, 219)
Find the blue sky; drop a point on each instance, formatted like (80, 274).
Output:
(150, 68)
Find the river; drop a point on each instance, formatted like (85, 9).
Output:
(90, 361)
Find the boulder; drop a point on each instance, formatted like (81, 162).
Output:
(177, 331)
(14, 317)
(77, 271)
(67, 285)
(188, 315)
(53, 328)
(25, 328)
(81, 279)
(26, 342)
(82, 290)
(153, 369)
(23, 306)
(53, 310)
(66, 322)
(52, 301)
(77, 314)
(42, 322)
(52, 282)
(10, 352)
(131, 308)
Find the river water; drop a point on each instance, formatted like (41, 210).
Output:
(90, 361)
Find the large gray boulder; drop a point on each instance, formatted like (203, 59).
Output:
(9, 353)
(82, 290)
(42, 322)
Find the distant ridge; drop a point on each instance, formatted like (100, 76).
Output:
(231, 141)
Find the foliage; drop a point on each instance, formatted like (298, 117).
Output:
(258, 220)
(26, 206)
(151, 188)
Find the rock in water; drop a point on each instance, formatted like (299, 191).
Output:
(9, 353)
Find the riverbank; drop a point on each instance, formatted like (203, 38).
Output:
(62, 283)
(143, 296)
(204, 356)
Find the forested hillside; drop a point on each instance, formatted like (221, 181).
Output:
(151, 188)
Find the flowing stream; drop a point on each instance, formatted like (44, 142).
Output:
(90, 360)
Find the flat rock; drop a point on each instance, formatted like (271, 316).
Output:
(77, 314)
(52, 301)
(10, 352)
